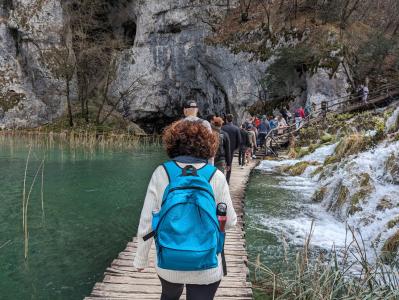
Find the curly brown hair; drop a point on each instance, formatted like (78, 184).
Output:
(190, 138)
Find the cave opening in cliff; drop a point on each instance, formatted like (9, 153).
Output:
(129, 32)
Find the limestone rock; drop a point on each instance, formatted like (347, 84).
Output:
(174, 64)
(323, 87)
(167, 62)
(27, 28)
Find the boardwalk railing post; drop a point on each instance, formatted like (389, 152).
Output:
(324, 108)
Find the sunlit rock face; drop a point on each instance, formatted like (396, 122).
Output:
(322, 86)
(166, 61)
(174, 64)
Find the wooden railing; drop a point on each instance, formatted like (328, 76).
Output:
(336, 105)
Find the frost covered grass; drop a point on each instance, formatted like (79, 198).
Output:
(331, 276)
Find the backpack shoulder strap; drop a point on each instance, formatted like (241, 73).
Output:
(207, 172)
(172, 170)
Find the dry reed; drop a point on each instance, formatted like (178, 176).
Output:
(346, 274)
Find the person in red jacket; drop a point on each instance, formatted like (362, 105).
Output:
(302, 112)
(299, 116)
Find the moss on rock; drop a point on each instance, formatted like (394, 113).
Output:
(350, 145)
(390, 249)
(342, 198)
(299, 168)
(394, 222)
(392, 168)
(319, 194)
(384, 204)
(317, 171)
(326, 138)
(366, 187)
(355, 201)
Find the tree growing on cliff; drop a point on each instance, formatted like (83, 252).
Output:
(62, 63)
(97, 34)
(245, 6)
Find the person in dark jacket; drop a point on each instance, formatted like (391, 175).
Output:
(222, 158)
(264, 128)
(235, 140)
(244, 145)
(284, 113)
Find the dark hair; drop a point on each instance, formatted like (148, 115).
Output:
(210, 117)
(229, 118)
(190, 138)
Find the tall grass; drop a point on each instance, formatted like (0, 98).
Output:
(343, 274)
(86, 139)
(26, 199)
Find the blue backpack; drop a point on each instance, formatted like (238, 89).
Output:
(186, 229)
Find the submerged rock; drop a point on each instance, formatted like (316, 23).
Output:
(319, 195)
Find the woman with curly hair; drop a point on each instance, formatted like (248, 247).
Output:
(179, 212)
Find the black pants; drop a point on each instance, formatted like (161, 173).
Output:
(173, 291)
(228, 173)
(262, 138)
(241, 156)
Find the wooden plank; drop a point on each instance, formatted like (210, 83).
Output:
(121, 281)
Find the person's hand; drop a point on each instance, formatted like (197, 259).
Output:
(228, 168)
(140, 269)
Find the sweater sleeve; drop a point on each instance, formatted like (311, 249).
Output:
(151, 203)
(222, 194)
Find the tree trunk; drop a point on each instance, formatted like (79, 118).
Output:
(87, 110)
(69, 103)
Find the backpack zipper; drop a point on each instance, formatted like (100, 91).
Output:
(190, 188)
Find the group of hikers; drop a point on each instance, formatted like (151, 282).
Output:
(188, 205)
(252, 133)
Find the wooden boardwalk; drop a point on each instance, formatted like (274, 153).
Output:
(121, 281)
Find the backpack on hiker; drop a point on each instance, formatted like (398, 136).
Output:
(186, 229)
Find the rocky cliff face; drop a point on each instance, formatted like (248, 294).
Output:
(174, 64)
(30, 94)
(167, 63)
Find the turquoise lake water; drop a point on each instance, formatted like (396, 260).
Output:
(92, 202)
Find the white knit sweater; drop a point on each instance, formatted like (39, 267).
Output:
(153, 201)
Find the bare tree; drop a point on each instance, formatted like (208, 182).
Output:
(348, 8)
(267, 6)
(62, 63)
(95, 43)
(245, 6)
